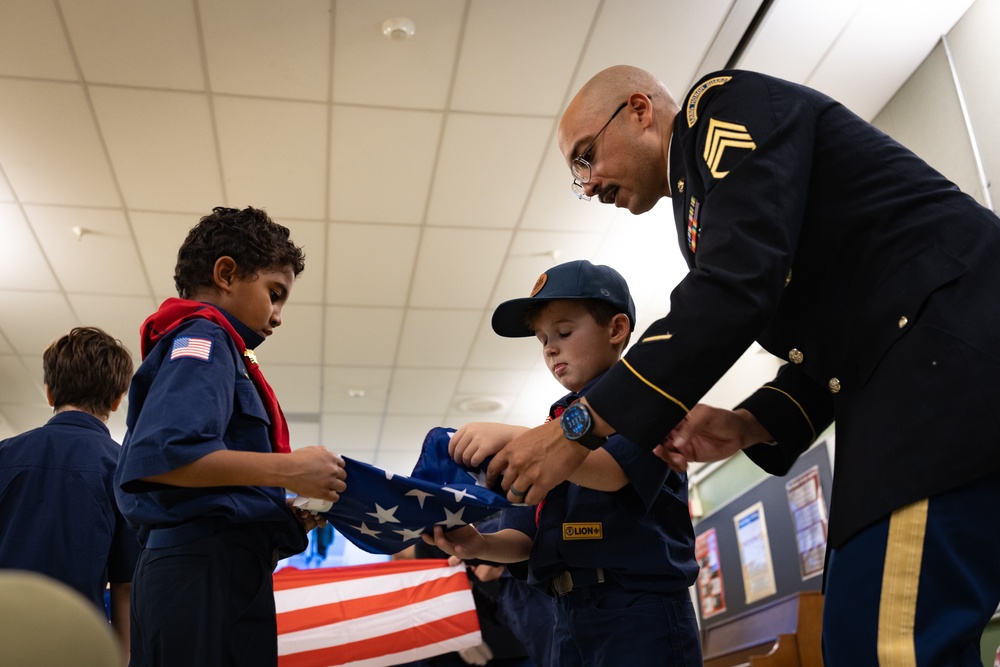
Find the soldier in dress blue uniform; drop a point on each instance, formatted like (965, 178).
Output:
(813, 233)
(614, 546)
(207, 453)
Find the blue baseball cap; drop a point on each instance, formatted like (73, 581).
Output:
(578, 279)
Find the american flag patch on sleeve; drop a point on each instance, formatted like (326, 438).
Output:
(189, 347)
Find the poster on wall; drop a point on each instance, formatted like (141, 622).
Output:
(710, 589)
(808, 507)
(755, 553)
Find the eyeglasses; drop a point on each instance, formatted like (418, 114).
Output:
(581, 167)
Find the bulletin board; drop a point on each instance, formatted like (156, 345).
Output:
(767, 543)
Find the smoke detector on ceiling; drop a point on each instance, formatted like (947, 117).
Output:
(398, 28)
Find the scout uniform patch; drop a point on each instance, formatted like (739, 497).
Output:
(583, 531)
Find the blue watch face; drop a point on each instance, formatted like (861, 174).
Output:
(576, 421)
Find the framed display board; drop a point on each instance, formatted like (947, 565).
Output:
(767, 543)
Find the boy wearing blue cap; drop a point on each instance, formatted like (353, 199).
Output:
(614, 545)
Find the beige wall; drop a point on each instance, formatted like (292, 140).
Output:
(926, 114)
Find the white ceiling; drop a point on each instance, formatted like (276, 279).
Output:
(421, 177)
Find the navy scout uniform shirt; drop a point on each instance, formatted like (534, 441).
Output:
(192, 396)
(640, 535)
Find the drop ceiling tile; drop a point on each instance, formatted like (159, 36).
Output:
(22, 385)
(361, 336)
(491, 407)
(311, 237)
(351, 432)
(421, 391)
(81, 262)
(23, 265)
(457, 268)
(152, 45)
(363, 455)
(437, 338)
(297, 340)
(490, 382)
(552, 206)
(551, 32)
(492, 352)
(406, 433)
(467, 191)
(49, 146)
(159, 236)
(370, 264)
(398, 462)
(304, 435)
(355, 390)
(6, 194)
(805, 29)
(268, 49)
(644, 250)
(274, 155)
(24, 418)
(415, 73)
(669, 41)
(32, 42)
(176, 128)
(532, 253)
(540, 391)
(48, 312)
(381, 163)
(297, 387)
(5, 347)
(119, 316)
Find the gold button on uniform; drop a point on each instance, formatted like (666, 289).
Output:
(795, 356)
(680, 186)
(903, 321)
(834, 385)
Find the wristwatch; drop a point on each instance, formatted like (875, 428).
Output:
(577, 425)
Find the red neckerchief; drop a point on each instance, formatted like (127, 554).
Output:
(556, 413)
(174, 312)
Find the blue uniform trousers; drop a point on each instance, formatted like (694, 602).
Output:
(604, 625)
(205, 602)
(917, 588)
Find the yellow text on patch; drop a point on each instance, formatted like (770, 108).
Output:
(583, 531)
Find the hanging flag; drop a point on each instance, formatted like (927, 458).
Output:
(373, 615)
(384, 513)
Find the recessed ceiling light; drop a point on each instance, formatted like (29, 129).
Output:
(480, 404)
(398, 28)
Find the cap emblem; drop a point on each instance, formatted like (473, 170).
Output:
(539, 284)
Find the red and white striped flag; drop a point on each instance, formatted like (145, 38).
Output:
(373, 615)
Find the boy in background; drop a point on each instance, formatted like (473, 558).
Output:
(207, 453)
(614, 545)
(58, 514)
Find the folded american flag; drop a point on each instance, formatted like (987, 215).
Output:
(373, 615)
(384, 513)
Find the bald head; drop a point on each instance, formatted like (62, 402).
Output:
(632, 158)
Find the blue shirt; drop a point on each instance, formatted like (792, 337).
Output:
(640, 535)
(190, 397)
(58, 514)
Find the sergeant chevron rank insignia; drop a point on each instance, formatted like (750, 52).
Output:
(720, 137)
(583, 531)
